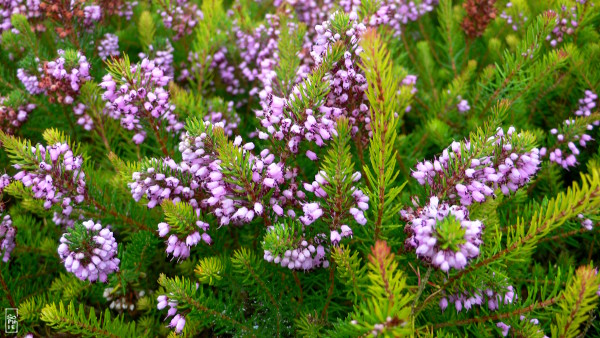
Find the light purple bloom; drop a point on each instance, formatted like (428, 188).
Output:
(94, 258)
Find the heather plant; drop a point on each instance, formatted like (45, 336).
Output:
(331, 168)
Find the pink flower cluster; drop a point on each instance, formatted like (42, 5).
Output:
(566, 24)
(58, 178)
(587, 103)
(180, 248)
(83, 119)
(178, 320)
(4, 182)
(313, 12)
(466, 300)
(134, 102)
(229, 199)
(505, 168)
(305, 256)
(30, 82)
(282, 125)
(424, 235)
(347, 86)
(65, 80)
(572, 133)
(162, 59)
(397, 13)
(223, 113)
(586, 223)
(258, 51)
(313, 211)
(91, 15)
(11, 118)
(347, 81)
(7, 237)
(410, 80)
(181, 16)
(161, 182)
(506, 328)
(89, 251)
(28, 8)
(463, 105)
(108, 46)
(513, 16)
(199, 179)
(220, 65)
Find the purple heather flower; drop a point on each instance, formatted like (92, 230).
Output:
(507, 170)
(58, 179)
(179, 245)
(134, 102)
(586, 223)
(162, 59)
(587, 103)
(463, 105)
(181, 16)
(178, 320)
(29, 8)
(7, 237)
(108, 46)
(83, 118)
(31, 82)
(311, 155)
(573, 134)
(398, 13)
(199, 180)
(91, 15)
(565, 24)
(223, 115)
(220, 65)
(11, 118)
(513, 16)
(126, 9)
(64, 81)
(467, 299)
(348, 83)
(313, 12)
(89, 251)
(302, 255)
(314, 210)
(429, 229)
(4, 182)
(504, 328)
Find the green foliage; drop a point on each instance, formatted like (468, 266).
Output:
(289, 45)
(382, 89)
(75, 321)
(69, 287)
(352, 272)
(533, 239)
(386, 309)
(313, 90)
(210, 35)
(202, 306)
(282, 237)
(180, 216)
(338, 168)
(137, 257)
(578, 301)
(210, 270)
(146, 29)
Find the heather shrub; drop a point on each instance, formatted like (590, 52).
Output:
(351, 168)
